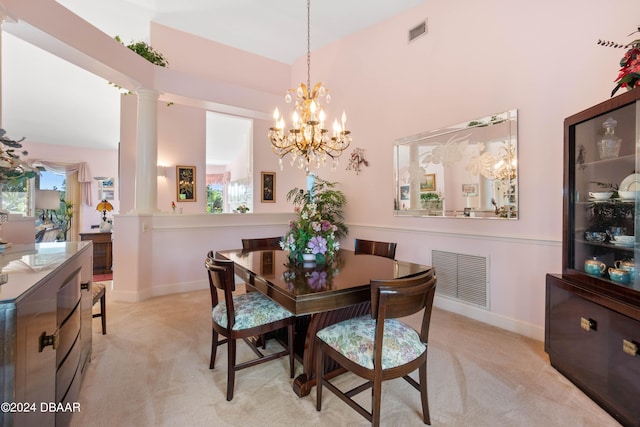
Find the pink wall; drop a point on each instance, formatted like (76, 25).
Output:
(478, 58)
(216, 61)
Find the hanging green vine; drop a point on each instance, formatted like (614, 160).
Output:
(147, 52)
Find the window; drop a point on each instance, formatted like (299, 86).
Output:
(52, 181)
(215, 199)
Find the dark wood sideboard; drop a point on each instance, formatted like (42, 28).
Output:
(102, 251)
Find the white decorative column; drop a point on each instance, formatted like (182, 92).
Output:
(132, 261)
(146, 185)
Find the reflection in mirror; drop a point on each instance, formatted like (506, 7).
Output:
(466, 170)
(229, 151)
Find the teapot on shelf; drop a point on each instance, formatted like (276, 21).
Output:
(627, 265)
(595, 267)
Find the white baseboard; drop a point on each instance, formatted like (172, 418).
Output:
(513, 325)
(157, 291)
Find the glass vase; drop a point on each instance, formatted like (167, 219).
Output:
(609, 144)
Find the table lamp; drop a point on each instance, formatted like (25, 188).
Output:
(47, 200)
(105, 207)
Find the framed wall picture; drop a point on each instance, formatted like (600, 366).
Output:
(186, 183)
(428, 183)
(469, 190)
(106, 189)
(268, 187)
(405, 191)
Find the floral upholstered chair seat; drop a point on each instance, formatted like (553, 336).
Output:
(354, 338)
(379, 347)
(251, 309)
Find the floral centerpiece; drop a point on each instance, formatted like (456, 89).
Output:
(629, 75)
(319, 226)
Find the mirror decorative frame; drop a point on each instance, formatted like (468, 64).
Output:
(467, 170)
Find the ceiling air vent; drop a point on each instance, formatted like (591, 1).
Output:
(418, 31)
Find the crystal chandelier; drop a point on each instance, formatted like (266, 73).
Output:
(506, 165)
(308, 141)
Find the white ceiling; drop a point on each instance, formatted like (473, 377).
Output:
(48, 100)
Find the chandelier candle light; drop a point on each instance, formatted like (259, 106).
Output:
(308, 141)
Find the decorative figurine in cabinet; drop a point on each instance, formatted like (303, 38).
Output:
(592, 319)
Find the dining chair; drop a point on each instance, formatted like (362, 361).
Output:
(257, 244)
(242, 317)
(261, 243)
(379, 347)
(98, 294)
(372, 247)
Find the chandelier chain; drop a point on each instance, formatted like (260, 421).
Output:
(308, 43)
(308, 140)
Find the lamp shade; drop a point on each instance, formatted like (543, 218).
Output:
(104, 206)
(48, 199)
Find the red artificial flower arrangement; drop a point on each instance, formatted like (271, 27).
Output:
(629, 75)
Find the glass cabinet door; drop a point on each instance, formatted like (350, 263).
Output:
(604, 189)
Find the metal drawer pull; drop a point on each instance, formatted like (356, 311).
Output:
(630, 347)
(588, 324)
(46, 340)
(84, 286)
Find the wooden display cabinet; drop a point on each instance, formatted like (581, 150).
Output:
(592, 330)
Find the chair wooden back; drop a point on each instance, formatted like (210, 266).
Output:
(372, 247)
(261, 243)
(221, 277)
(396, 298)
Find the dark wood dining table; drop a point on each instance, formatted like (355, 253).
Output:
(319, 295)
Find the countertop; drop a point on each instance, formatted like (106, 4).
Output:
(24, 265)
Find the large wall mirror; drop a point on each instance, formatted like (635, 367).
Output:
(467, 170)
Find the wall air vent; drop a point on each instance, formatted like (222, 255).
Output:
(462, 277)
(418, 31)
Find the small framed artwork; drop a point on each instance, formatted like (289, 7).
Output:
(404, 192)
(429, 183)
(268, 187)
(186, 183)
(469, 190)
(106, 189)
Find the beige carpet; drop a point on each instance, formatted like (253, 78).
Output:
(152, 369)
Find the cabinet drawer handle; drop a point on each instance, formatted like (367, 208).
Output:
(588, 324)
(46, 340)
(84, 286)
(630, 347)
